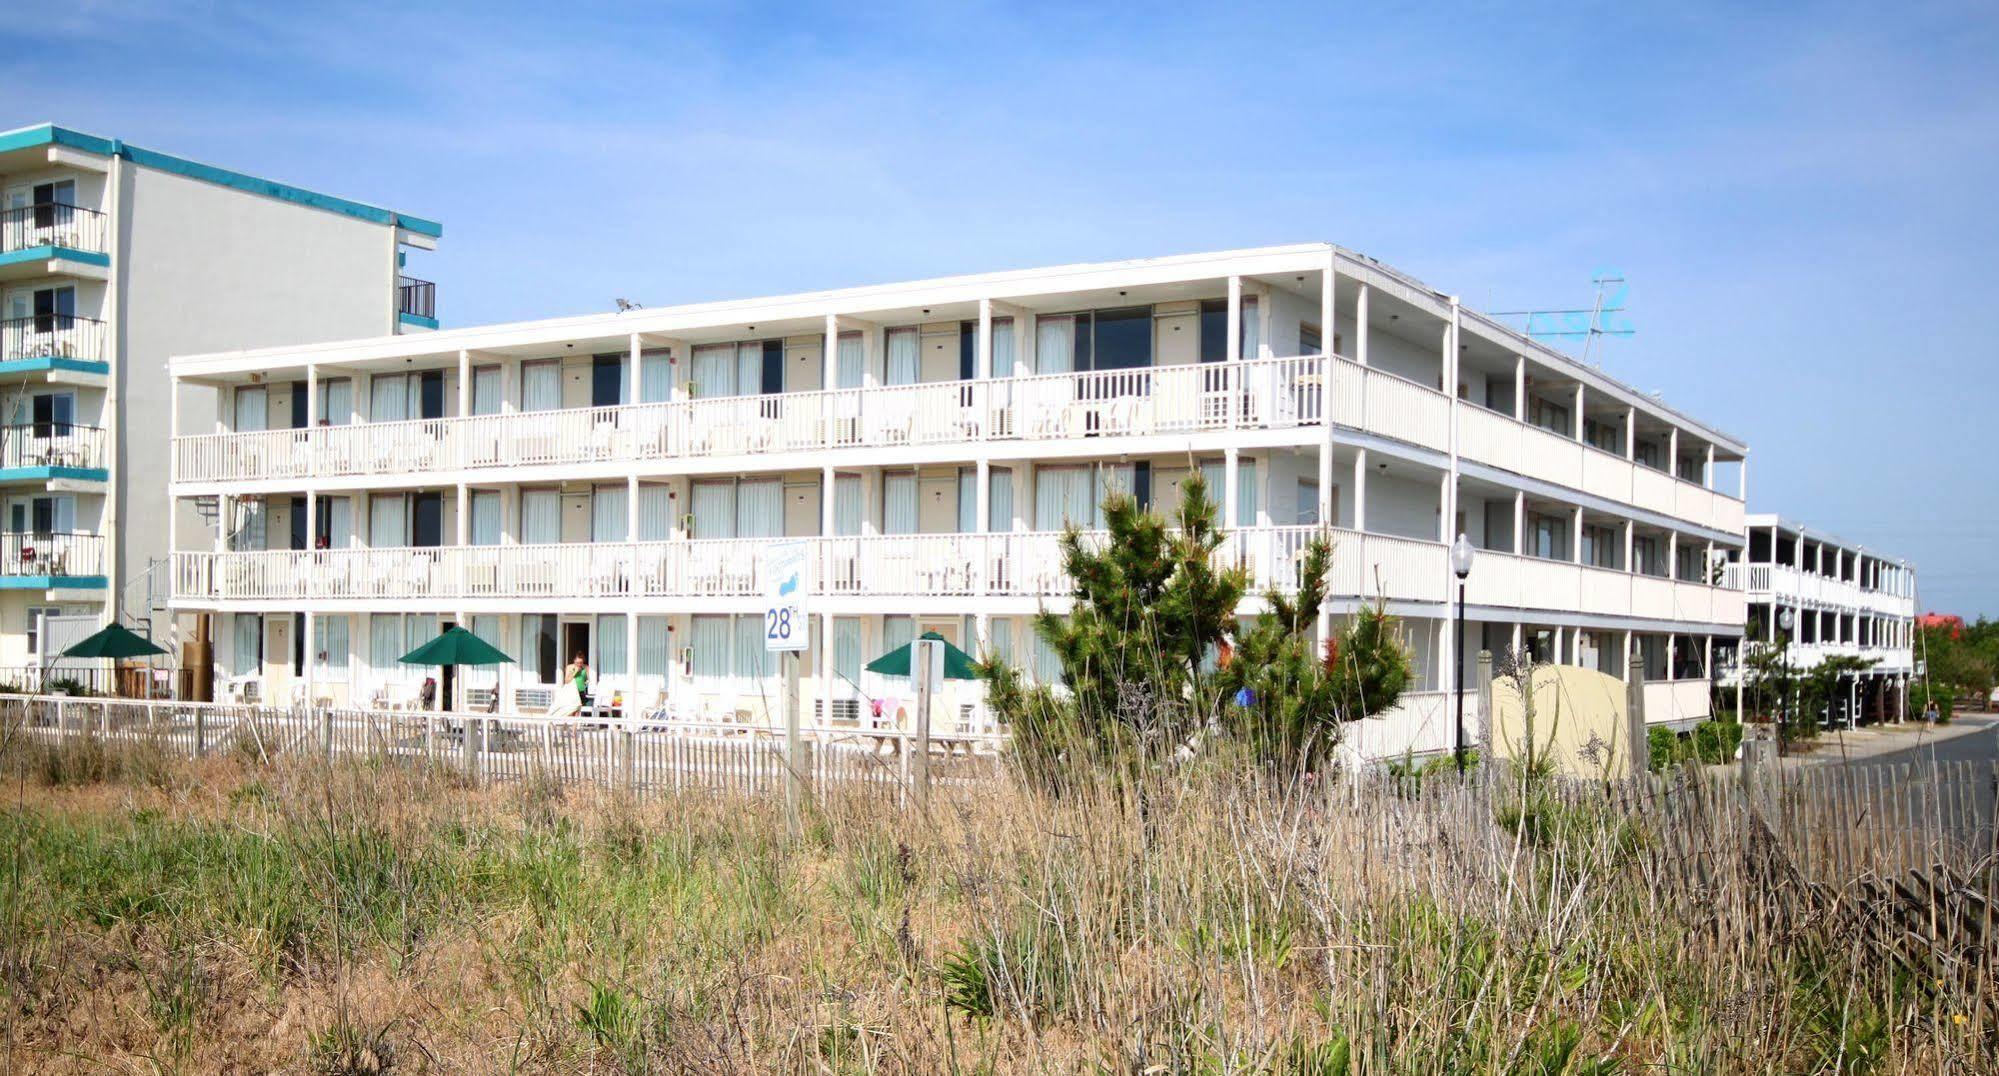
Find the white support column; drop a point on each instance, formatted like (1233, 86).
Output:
(1519, 389)
(1447, 523)
(1672, 554)
(1742, 479)
(1230, 500)
(463, 529)
(1360, 490)
(1579, 411)
(1576, 539)
(309, 646)
(311, 414)
(982, 502)
(1360, 325)
(1328, 287)
(1630, 537)
(1519, 523)
(1630, 433)
(1707, 469)
(1673, 452)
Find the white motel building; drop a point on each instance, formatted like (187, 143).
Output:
(1841, 599)
(112, 259)
(603, 484)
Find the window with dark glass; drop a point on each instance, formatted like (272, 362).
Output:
(1215, 330)
(773, 368)
(55, 309)
(968, 350)
(1119, 339)
(298, 523)
(298, 409)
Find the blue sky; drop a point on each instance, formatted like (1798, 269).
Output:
(1801, 197)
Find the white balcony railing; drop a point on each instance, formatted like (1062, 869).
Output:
(1024, 564)
(1148, 401)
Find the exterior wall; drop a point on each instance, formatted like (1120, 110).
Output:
(202, 267)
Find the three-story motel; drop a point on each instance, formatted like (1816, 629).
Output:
(602, 484)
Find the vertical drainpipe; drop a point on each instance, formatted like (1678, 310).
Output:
(114, 421)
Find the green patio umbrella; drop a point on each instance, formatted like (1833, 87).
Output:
(114, 641)
(456, 647)
(958, 665)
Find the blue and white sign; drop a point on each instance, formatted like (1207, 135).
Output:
(787, 587)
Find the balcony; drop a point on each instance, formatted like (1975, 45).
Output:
(52, 342)
(1781, 582)
(1509, 581)
(1160, 401)
(41, 451)
(52, 231)
(45, 560)
(1024, 565)
(416, 302)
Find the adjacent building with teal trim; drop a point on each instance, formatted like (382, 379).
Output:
(114, 257)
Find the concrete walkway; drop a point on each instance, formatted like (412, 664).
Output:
(1968, 736)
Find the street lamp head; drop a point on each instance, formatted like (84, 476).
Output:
(1785, 618)
(1461, 556)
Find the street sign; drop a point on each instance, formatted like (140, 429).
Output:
(787, 588)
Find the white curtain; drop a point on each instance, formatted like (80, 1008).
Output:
(1055, 345)
(653, 656)
(486, 517)
(336, 402)
(655, 377)
(1113, 478)
(1252, 329)
(749, 368)
(250, 531)
(486, 390)
(851, 368)
(968, 500)
(541, 516)
(1002, 347)
(1215, 474)
(387, 528)
(333, 644)
(486, 626)
(899, 504)
(710, 639)
(999, 638)
(714, 370)
(1062, 496)
(253, 412)
(1043, 663)
(847, 649)
(388, 398)
(418, 629)
(249, 640)
(609, 521)
(655, 514)
(847, 504)
(339, 522)
(541, 385)
(903, 345)
(385, 641)
(749, 644)
(1000, 500)
(714, 508)
(760, 508)
(611, 644)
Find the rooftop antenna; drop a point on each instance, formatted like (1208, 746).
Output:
(626, 304)
(1607, 316)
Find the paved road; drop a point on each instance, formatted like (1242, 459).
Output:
(1980, 745)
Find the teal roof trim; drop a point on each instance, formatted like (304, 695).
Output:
(50, 134)
(417, 319)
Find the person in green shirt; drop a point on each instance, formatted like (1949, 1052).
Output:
(578, 673)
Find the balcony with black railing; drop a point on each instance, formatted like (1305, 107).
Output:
(52, 336)
(55, 555)
(52, 450)
(54, 226)
(416, 302)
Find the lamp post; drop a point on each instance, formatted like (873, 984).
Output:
(1461, 566)
(1785, 620)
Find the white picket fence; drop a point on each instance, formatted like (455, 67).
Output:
(643, 758)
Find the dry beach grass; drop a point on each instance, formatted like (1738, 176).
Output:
(225, 916)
